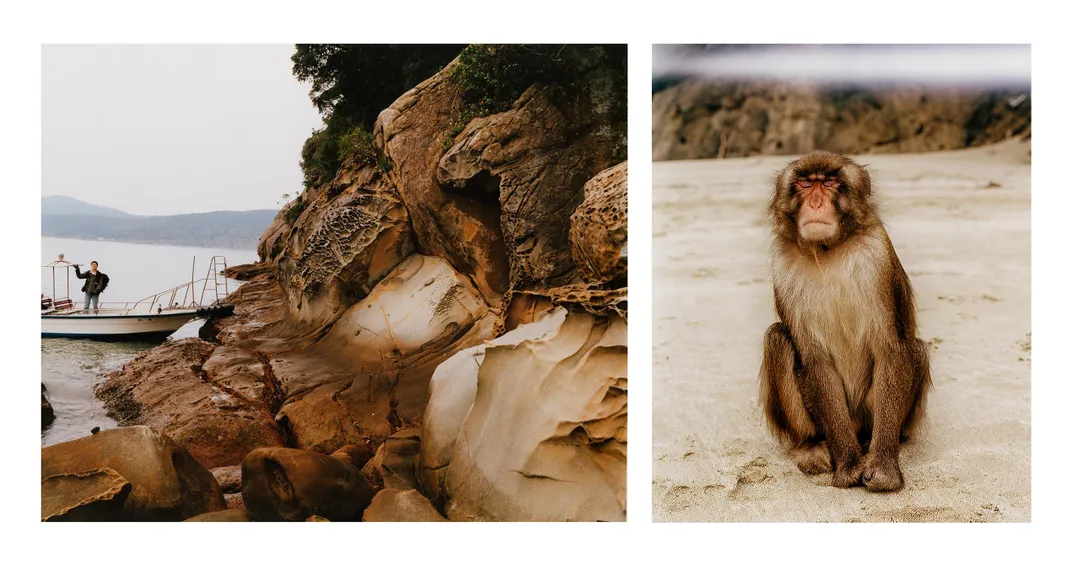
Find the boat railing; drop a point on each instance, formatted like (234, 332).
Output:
(181, 297)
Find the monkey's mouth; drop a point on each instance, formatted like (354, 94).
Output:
(813, 222)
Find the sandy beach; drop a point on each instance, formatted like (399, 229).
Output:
(960, 221)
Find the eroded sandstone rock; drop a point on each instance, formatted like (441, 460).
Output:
(397, 505)
(546, 437)
(212, 402)
(350, 235)
(394, 466)
(94, 495)
(166, 482)
(368, 376)
(226, 515)
(272, 241)
(461, 227)
(281, 484)
(599, 228)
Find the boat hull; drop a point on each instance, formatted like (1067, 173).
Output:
(114, 326)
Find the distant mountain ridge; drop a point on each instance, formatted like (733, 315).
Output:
(62, 216)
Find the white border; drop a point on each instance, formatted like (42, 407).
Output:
(638, 543)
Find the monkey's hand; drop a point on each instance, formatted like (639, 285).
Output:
(881, 472)
(848, 474)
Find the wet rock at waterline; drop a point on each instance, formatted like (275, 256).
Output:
(282, 484)
(48, 415)
(397, 505)
(166, 483)
(368, 376)
(545, 438)
(211, 401)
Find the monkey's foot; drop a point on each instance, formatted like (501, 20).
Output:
(882, 473)
(812, 458)
(848, 475)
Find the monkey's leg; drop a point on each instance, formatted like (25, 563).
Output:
(824, 398)
(784, 406)
(896, 390)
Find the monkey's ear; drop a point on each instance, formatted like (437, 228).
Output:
(857, 178)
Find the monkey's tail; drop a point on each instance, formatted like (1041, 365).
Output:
(921, 385)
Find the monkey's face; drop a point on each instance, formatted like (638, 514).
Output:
(822, 198)
(817, 218)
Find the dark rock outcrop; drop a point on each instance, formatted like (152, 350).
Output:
(165, 482)
(226, 515)
(48, 415)
(280, 484)
(698, 119)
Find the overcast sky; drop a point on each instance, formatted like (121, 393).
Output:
(173, 129)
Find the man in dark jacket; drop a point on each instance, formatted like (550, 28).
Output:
(95, 284)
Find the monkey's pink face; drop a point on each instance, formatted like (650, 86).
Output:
(817, 220)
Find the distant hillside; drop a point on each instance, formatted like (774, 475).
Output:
(228, 229)
(65, 205)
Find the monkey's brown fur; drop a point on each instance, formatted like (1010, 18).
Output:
(843, 372)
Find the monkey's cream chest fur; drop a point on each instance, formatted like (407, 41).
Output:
(835, 302)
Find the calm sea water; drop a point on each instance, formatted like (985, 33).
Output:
(71, 368)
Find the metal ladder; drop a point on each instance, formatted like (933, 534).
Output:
(216, 266)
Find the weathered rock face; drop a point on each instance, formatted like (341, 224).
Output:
(461, 227)
(94, 495)
(545, 438)
(395, 505)
(369, 375)
(534, 159)
(346, 240)
(229, 478)
(226, 515)
(212, 402)
(273, 239)
(165, 482)
(697, 119)
(452, 392)
(599, 228)
(280, 484)
(395, 464)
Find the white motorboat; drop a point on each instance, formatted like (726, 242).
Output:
(157, 315)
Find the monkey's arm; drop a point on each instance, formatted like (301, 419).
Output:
(824, 398)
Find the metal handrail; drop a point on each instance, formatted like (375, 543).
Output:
(190, 300)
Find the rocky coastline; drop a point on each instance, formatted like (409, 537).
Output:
(437, 335)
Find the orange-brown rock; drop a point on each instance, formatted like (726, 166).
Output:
(212, 402)
(461, 227)
(599, 228)
(368, 376)
(545, 438)
(166, 483)
(226, 515)
(94, 495)
(281, 484)
(398, 505)
(534, 159)
(274, 237)
(350, 235)
(394, 466)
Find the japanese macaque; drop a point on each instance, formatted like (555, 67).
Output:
(844, 378)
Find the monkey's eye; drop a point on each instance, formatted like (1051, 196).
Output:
(830, 183)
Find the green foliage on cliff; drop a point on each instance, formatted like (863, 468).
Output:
(350, 85)
(296, 208)
(492, 77)
(360, 146)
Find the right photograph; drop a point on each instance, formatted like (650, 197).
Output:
(842, 283)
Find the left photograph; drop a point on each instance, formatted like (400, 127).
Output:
(334, 282)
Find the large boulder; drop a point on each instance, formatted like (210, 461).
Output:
(166, 482)
(397, 505)
(350, 235)
(452, 392)
(394, 466)
(461, 227)
(94, 495)
(534, 159)
(545, 439)
(281, 484)
(368, 376)
(213, 402)
(599, 228)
